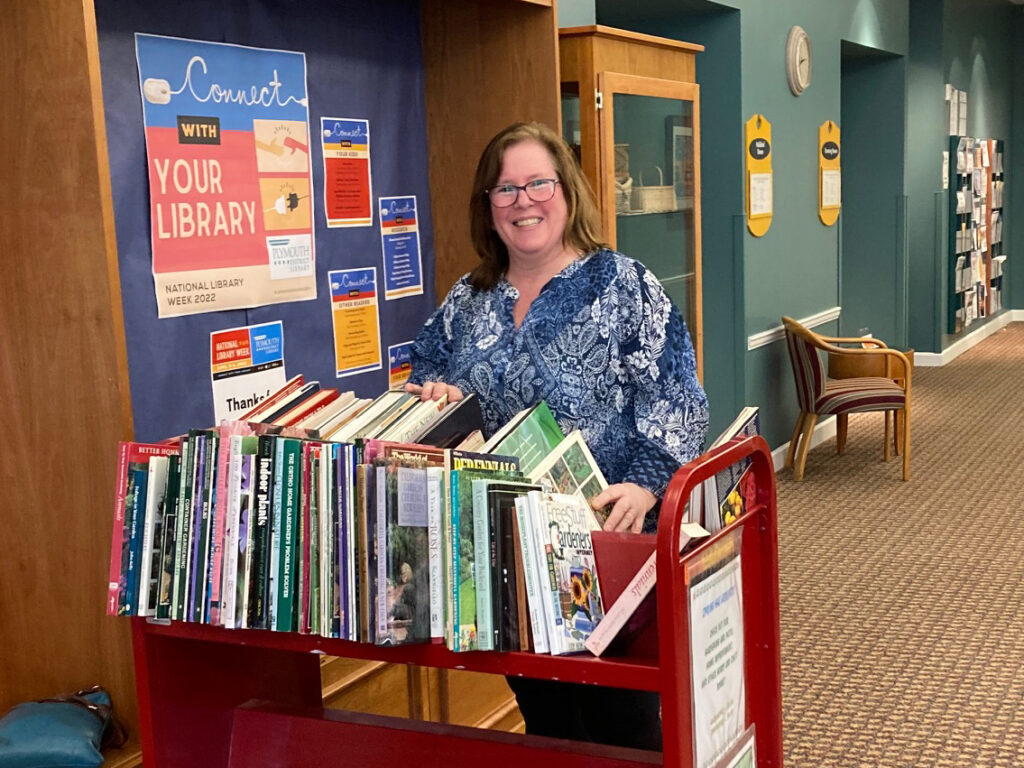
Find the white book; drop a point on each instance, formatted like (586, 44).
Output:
(435, 516)
(375, 409)
(343, 417)
(629, 600)
(149, 563)
(229, 572)
(322, 415)
(531, 577)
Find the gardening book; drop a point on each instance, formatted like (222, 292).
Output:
(531, 435)
(571, 469)
(728, 494)
(575, 607)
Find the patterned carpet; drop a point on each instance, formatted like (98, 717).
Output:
(902, 604)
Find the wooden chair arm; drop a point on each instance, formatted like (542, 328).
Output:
(892, 356)
(854, 340)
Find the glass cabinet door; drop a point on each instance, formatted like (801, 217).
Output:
(650, 169)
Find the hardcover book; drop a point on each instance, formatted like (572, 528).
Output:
(570, 469)
(453, 425)
(728, 494)
(152, 535)
(169, 543)
(505, 576)
(576, 607)
(530, 435)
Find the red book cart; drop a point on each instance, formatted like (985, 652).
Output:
(216, 697)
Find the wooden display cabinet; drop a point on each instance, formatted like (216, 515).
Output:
(631, 111)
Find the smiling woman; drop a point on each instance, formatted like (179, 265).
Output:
(552, 314)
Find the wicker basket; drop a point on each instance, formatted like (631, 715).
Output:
(649, 199)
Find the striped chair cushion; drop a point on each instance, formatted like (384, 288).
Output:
(869, 393)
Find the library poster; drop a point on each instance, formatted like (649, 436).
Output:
(347, 187)
(716, 656)
(399, 364)
(356, 323)
(227, 148)
(246, 365)
(400, 240)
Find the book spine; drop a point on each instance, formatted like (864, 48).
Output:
(276, 543)
(381, 541)
(533, 597)
(455, 570)
(135, 540)
(347, 472)
(286, 605)
(117, 531)
(342, 534)
(184, 526)
(169, 544)
(214, 546)
(625, 606)
(503, 537)
(435, 511)
(246, 525)
(362, 552)
(193, 565)
(556, 624)
(203, 551)
(149, 575)
(232, 498)
(222, 524)
(482, 553)
(307, 566)
(257, 604)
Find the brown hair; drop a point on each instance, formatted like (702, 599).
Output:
(583, 228)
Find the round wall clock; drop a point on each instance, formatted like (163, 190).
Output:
(798, 60)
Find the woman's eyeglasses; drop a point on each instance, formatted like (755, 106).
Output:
(538, 190)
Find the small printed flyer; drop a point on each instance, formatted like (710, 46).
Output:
(716, 657)
(246, 365)
(399, 364)
(400, 240)
(347, 190)
(355, 319)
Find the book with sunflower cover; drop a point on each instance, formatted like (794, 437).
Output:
(575, 607)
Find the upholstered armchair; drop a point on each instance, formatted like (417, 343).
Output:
(886, 389)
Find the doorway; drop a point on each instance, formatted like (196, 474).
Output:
(873, 252)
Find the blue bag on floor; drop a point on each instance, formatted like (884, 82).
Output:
(63, 732)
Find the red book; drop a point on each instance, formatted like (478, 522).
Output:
(311, 404)
(131, 456)
(265, 405)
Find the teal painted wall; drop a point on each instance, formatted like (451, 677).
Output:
(575, 13)
(797, 267)
(872, 258)
(718, 75)
(1015, 240)
(927, 138)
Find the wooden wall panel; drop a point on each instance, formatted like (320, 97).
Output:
(488, 63)
(63, 373)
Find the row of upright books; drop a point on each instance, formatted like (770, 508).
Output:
(387, 521)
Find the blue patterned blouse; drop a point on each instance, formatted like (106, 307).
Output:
(602, 344)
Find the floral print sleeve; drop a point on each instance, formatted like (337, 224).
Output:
(670, 408)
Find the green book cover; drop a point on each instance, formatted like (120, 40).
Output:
(290, 453)
(533, 439)
(464, 550)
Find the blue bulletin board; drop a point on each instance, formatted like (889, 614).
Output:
(362, 61)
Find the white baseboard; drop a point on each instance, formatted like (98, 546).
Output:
(950, 353)
(823, 430)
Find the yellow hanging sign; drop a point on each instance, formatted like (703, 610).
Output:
(757, 137)
(830, 177)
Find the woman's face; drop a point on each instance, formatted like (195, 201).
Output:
(531, 231)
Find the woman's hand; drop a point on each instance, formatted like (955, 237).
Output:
(434, 390)
(630, 504)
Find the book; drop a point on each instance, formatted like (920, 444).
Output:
(131, 455)
(728, 494)
(152, 535)
(528, 543)
(570, 469)
(135, 510)
(452, 425)
(403, 586)
(327, 411)
(413, 419)
(169, 543)
(635, 592)
(306, 407)
(369, 415)
(244, 540)
(256, 605)
(531, 435)
(505, 608)
(290, 453)
(273, 399)
(289, 401)
(329, 426)
(435, 537)
(575, 608)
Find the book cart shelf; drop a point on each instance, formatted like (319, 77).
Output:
(227, 697)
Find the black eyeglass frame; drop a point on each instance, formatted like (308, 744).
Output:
(524, 188)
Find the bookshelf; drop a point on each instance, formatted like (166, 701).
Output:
(487, 63)
(221, 697)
